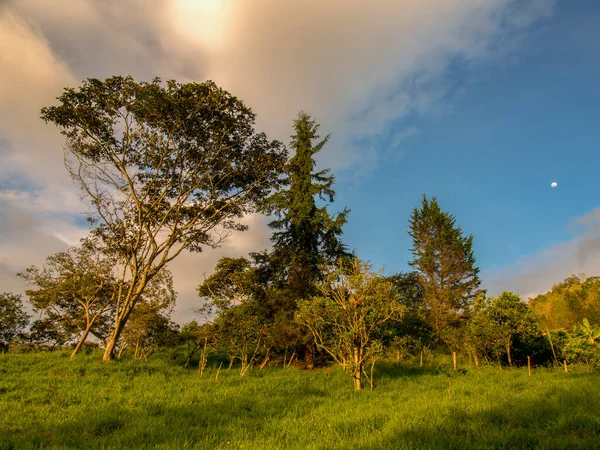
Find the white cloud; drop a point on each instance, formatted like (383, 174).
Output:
(403, 135)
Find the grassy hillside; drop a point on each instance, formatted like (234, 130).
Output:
(47, 401)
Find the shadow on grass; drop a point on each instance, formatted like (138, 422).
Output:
(386, 370)
(562, 420)
(222, 423)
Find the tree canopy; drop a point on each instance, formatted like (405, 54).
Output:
(166, 167)
(445, 263)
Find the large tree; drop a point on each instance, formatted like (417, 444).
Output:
(306, 235)
(167, 167)
(445, 263)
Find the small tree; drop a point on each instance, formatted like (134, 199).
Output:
(149, 329)
(445, 262)
(582, 344)
(498, 322)
(198, 338)
(346, 318)
(13, 319)
(150, 325)
(76, 289)
(241, 332)
(167, 168)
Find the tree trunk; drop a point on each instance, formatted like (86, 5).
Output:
(111, 343)
(266, 360)
(356, 374)
(309, 357)
(82, 340)
(120, 322)
(508, 353)
(357, 380)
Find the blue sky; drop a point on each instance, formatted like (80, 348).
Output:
(480, 103)
(512, 126)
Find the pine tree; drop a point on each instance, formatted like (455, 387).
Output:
(444, 260)
(306, 235)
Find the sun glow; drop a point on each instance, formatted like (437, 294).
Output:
(203, 20)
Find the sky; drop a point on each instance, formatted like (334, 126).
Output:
(481, 103)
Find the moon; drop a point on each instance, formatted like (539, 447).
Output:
(554, 184)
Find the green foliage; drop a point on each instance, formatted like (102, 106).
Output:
(75, 290)
(583, 345)
(13, 319)
(307, 236)
(498, 323)
(49, 401)
(269, 284)
(163, 165)
(445, 262)
(347, 317)
(413, 332)
(241, 293)
(568, 303)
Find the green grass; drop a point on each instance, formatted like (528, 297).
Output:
(48, 401)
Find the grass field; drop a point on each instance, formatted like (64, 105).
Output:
(48, 401)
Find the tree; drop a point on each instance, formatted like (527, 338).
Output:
(499, 322)
(413, 332)
(13, 319)
(582, 344)
(444, 260)
(198, 338)
(149, 329)
(76, 289)
(241, 331)
(306, 236)
(167, 168)
(150, 325)
(243, 321)
(346, 317)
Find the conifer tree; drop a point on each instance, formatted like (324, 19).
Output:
(444, 260)
(306, 235)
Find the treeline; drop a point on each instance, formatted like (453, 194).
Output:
(169, 167)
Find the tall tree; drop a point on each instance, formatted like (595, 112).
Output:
(444, 260)
(306, 235)
(13, 318)
(166, 167)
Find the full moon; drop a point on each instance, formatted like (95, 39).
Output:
(554, 184)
